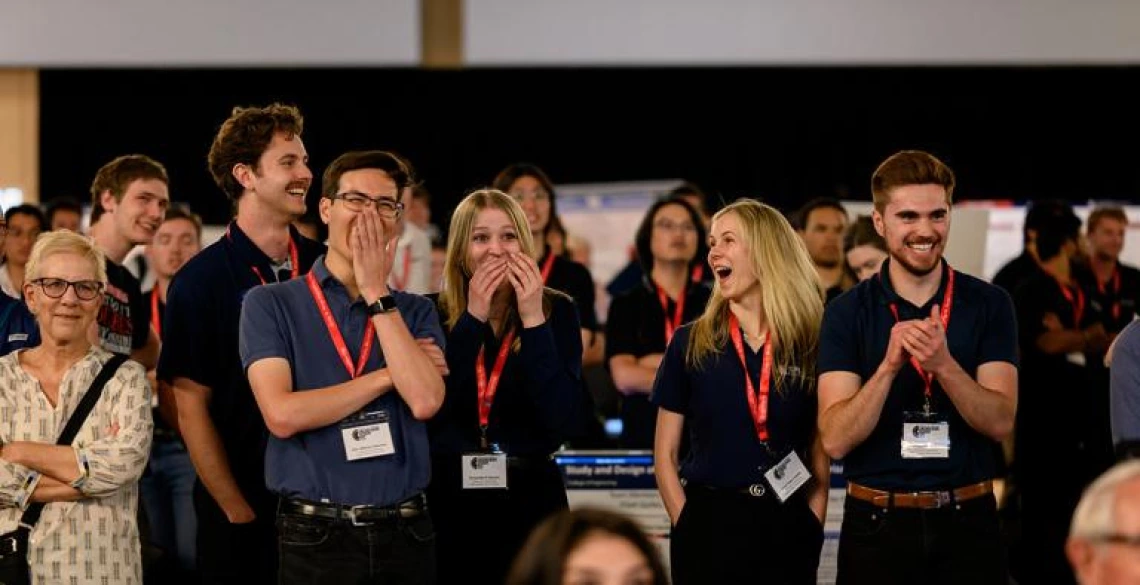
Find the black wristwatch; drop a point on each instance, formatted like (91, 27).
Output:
(384, 304)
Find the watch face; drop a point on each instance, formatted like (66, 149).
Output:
(383, 305)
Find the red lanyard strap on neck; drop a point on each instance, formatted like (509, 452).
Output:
(1077, 300)
(674, 323)
(1115, 292)
(547, 266)
(155, 319)
(294, 272)
(334, 331)
(944, 310)
(488, 387)
(757, 405)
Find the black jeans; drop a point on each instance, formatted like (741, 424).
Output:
(326, 552)
(239, 554)
(727, 537)
(959, 543)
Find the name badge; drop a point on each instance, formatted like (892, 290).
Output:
(925, 436)
(368, 435)
(787, 476)
(483, 471)
(1076, 358)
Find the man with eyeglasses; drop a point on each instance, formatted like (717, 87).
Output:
(346, 371)
(17, 325)
(129, 197)
(259, 161)
(1104, 539)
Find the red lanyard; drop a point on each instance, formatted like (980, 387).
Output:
(400, 282)
(547, 267)
(1115, 292)
(947, 302)
(292, 257)
(757, 405)
(1078, 302)
(334, 331)
(155, 321)
(488, 387)
(671, 325)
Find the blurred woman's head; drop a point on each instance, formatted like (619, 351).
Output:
(863, 248)
(672, 231)
(533, 190)
(588, 546)
(64, 285)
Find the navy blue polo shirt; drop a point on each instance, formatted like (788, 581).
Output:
(18, 328)
(573, 279)
(856, 330)
(636, 326)
(540, 401)
(200, 342)
(724, 450)
(282, 320)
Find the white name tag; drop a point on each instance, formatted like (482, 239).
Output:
(483, 471)
(1076, 357)
(787, 476)
(926, 439)
(369, 435)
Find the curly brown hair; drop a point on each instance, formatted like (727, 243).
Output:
(244, 137)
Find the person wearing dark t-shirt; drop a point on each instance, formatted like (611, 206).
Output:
(748, 499)
(821, 223)
(259, 161)
(1056, 414)
(642, 320)
(917, 383)
(129, 199)
(1026, 264)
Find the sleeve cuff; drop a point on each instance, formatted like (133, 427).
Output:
(84, 469)
(27, 488)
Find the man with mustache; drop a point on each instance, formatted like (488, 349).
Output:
(821, 223)
(917, 383)
(259, 161)
(129, 197)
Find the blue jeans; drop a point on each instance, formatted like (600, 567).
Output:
(167, 488)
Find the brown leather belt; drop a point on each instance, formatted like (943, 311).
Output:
(924, 500)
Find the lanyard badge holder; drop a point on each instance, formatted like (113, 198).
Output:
(926, 433)
(790, 474)
(487, 469)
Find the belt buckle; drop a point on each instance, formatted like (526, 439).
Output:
(757, 490)
(942, 499)
(352, 513)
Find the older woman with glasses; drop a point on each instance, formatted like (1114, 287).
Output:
(87, 531)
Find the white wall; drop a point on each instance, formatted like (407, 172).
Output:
(49, 33)
(670, 32)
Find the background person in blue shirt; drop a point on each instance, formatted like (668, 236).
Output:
(917, 511)
(515, 391)
(18, 327)
(754, 495)
(345, 371)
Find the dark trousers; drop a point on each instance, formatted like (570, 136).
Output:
(321, 551)
(235, 553)
(724, 536)
(957, 544)
(481, 531)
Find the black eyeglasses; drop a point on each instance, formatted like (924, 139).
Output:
(356, 201)
(55, 288)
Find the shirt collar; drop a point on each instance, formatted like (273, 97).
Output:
(890, 297)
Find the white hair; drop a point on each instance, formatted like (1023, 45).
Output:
(1096, 513)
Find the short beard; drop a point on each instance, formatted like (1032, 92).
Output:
(913, 269)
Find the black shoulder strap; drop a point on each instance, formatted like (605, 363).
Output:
(74, 423)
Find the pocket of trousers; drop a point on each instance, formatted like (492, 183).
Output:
(302, 531)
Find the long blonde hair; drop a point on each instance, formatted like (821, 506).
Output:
(790, 290)
(456, 271)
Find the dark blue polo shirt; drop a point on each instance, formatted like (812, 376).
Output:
(282, 320)
(18, 328)
(856, 330)
(724, 450)
(540, 401)
(574, 279)
(200, 342)
(636, 326)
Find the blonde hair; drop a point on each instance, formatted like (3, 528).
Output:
(1095, 516)
(456, 272)
(64, 242)
(790, 290)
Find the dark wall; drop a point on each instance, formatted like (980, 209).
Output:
(784, 134)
